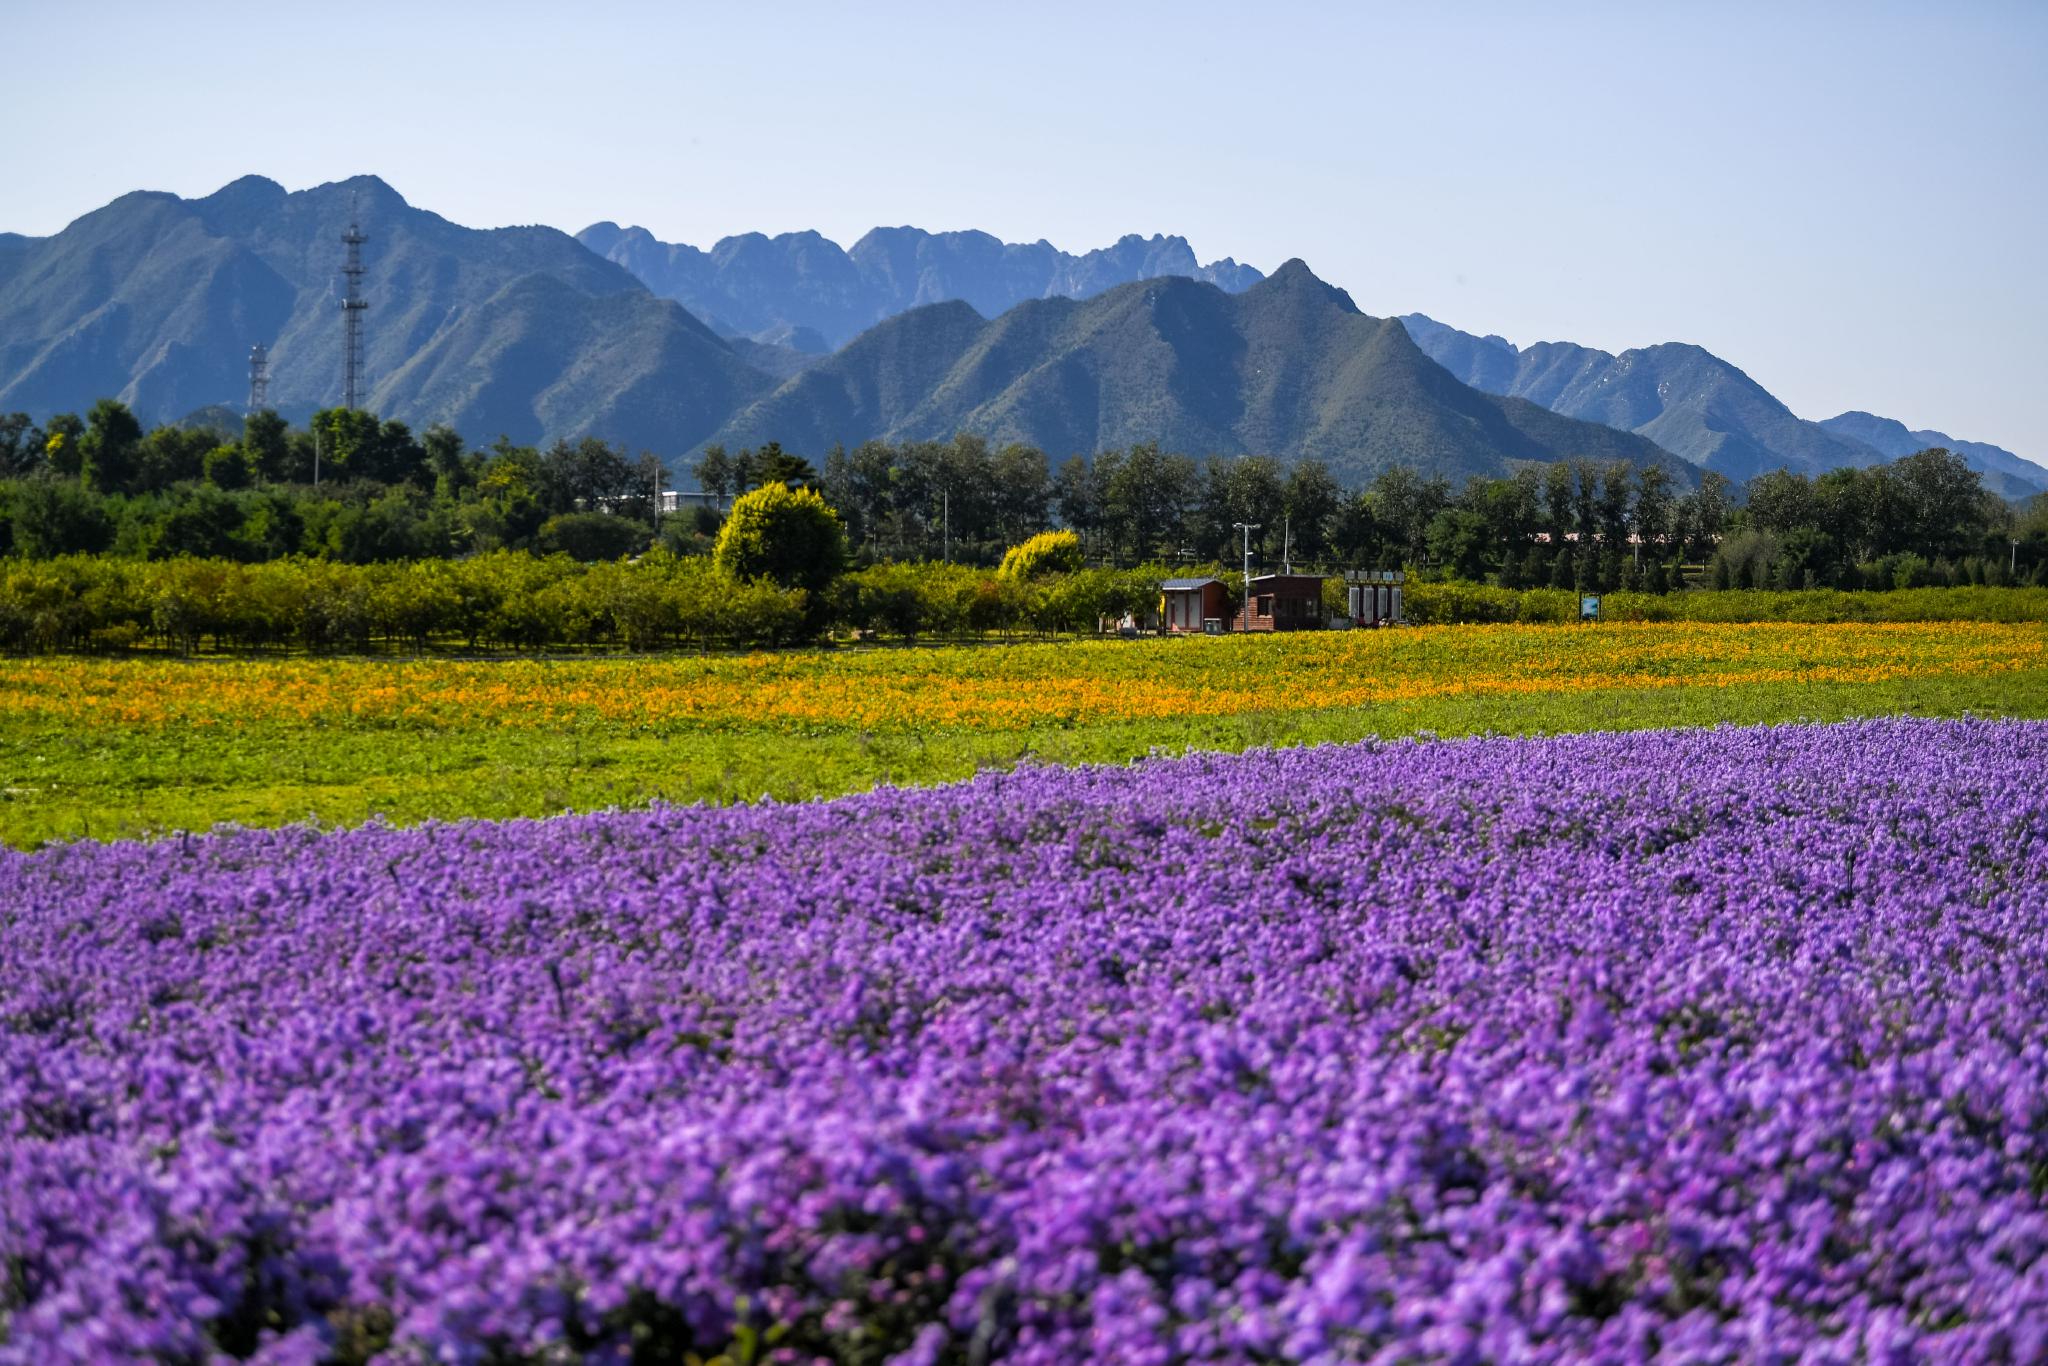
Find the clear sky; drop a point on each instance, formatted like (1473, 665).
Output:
(1850, 201)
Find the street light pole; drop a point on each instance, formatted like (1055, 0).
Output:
(1246, 610)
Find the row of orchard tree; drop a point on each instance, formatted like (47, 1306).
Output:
(765, 586)
(350, 488)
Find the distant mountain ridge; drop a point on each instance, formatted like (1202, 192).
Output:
(156, 300)
(804, 291)
(1289, 366)
(1696, 405)
(528, 332)
(1891, 439)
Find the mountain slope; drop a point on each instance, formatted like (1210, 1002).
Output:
(158, 299)
(2004, 473)
(1694, 404)
(765, 287)
(1289, 367)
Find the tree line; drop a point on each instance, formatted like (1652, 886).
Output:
(350, 488)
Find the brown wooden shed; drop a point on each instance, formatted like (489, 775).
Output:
(1283, 602)
(1186, 606)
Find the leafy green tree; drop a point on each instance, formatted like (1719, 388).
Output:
(1780, 501)
(1078, 496)
(1354, 533)
(590, 536)
(1704, 515)
(204, 523)
(63, 449)
(56, 517)
(1651, 518)
(1146, 494)
(442, 448)
(227, 467)
(1457, 542)
(171, 455)
(266, 438)
(1021, 486)
(790, 537)
(714, 472)
(1309, 504)
(1404, 504)
(772, 465)
(22, 446)
(108, 449)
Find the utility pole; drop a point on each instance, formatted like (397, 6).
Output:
(316, 450)
(1247, 528)
(1287, 544)
(946, 522)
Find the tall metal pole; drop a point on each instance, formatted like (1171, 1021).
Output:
(1245, 612)
(316, 453)
(946, 521)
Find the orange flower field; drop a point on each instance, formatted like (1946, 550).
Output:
(993, 688)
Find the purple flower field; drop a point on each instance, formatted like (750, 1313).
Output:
(1694, 1046)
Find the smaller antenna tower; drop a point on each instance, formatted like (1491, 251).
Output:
(352, 306)
(259, 378)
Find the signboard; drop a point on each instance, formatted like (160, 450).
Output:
(1589, 607)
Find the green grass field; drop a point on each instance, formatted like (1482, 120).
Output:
(69, 778)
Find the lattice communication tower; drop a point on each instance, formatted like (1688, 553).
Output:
(259, 378)
(352, 305)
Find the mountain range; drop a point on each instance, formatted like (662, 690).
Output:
(533, 334)
(529, 333)
(1289, 365)
(802, 291)
(1698, 406)
(157, 300)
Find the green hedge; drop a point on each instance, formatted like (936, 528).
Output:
(510, 600)
(1443, 603)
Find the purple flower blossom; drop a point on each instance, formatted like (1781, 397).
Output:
(1725, 1045)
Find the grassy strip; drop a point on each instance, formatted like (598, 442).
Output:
(66, 782)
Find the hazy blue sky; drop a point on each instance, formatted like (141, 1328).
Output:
(1849, 201)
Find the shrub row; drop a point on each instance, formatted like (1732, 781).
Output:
(513, 600)
(1444, 603)
(516, 601)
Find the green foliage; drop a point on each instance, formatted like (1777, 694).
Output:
(109, 447)
(502, 600)
(1448, 603)
(1049, 552)
(791, 537)
(593, 536)
(56, 517)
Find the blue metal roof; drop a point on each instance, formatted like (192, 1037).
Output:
(1187, 583)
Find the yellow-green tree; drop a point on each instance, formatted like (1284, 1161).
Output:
(1049, 552)
(791, 537)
